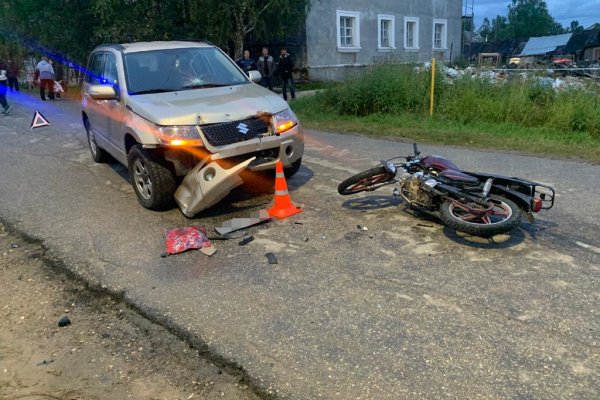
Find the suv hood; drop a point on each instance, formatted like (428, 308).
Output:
(206, 106)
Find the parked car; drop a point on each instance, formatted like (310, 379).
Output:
(170, 109)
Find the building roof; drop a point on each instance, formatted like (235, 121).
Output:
(537, 46)
(583, 40)
(507, 48)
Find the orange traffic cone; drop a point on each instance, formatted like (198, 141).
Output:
(283, 206)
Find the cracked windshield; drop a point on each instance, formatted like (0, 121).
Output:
(179, 69)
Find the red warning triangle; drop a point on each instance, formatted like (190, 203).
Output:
(38, 120)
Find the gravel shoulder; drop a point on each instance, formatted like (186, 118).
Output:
(108, 350)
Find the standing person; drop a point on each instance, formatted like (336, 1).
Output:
(45, 74)
(3, 90)
(12, 72)
(285, 68)
(246, 63)
(266, 67)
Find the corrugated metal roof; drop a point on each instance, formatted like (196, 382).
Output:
(545, 44)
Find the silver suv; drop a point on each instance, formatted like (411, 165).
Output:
(185, 120)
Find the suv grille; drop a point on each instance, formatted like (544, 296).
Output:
(233, 132)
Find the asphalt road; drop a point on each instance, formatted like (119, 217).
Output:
(407, 309)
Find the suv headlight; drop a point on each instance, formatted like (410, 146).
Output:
(184, 135)
(284, 121)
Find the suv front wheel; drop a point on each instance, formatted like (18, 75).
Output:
(153, 183)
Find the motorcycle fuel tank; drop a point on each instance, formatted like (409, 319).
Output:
(439, 163)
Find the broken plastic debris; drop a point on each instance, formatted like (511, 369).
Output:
(191, 237)
(241, 223)
(362, 228)
(271, 258)
(245, 241)
(64, 321)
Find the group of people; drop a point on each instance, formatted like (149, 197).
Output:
(49, 77)
(267, 67)
(9, 79)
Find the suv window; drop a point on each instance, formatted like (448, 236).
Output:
(94, 73)
(110, 75)
(171, 70)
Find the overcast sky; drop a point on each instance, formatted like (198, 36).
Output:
(587, 12)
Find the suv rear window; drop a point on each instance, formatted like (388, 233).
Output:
(180, 69)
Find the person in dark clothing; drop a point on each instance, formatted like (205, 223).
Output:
(12, 73)
(246, 63)
(286, 68)
(266, 67)
(3, 89)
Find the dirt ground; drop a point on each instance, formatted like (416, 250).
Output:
(108, 352)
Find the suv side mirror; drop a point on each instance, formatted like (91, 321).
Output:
(254, 76)
(102, 92)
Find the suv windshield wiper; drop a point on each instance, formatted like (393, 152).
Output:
(156, 90)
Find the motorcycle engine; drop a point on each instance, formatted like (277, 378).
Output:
(412, 191)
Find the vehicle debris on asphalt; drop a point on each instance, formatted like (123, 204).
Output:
(191, 237)
(245, 241)
(64, 321)
(271, 258)
(236, 224)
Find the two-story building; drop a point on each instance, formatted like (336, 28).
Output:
(345, 35)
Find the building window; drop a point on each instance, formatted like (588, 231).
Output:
(348, 31)
(386, 36)
(440, 27)
(411, 33)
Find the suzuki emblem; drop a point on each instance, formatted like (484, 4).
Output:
(243, 128)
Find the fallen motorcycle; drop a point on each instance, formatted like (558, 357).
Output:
(474, 203)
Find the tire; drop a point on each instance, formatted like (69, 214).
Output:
(368, 180)
(291, 171)
(495, 224)
(153, 182)
(99, 155)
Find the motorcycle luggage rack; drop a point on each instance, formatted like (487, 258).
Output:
(544, 193)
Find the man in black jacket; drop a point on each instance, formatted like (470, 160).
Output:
(285, 68)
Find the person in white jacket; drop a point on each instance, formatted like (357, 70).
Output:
(45, 75)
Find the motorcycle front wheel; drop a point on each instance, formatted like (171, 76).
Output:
(502, 216)
(368, 180)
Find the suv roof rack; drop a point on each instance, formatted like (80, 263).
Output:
(115, 46)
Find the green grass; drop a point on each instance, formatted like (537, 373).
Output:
(517, 116)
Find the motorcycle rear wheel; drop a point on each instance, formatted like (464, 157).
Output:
(504, 217)
(368, 180)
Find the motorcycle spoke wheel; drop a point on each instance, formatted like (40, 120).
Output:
(501, 216)
(366, 181)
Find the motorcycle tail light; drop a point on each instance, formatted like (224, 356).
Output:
(536, 204)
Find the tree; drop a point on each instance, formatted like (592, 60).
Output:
(575, 27)
(231, 21)
(485, 30)
(528, 18)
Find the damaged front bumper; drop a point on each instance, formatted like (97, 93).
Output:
(209, 181)
(207, 184)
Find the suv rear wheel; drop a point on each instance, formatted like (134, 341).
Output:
(152, 181)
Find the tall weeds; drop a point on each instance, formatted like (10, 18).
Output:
(396, 89)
